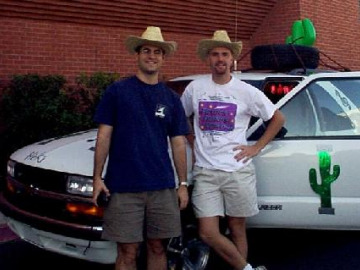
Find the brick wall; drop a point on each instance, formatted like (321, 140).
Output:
(31, 46)
(338, 29)
(337, 25)
(60, 47)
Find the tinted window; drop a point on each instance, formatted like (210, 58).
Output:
(327, 108)
(276, 89)
(258, 83)
(300, 117)
(178, 86)
(337, 104)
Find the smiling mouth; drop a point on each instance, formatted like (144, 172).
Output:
(221, 66)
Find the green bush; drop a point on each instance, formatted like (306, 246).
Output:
(39, 107)
(92, 87)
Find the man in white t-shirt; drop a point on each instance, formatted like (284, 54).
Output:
(224, 176)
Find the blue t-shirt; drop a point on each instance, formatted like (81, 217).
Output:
(143, 116)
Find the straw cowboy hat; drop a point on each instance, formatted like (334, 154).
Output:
(151, 36)
(219, 39)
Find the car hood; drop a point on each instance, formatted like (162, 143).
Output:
(72, 153)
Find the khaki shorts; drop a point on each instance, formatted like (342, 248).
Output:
(219, 193)
(126, 214)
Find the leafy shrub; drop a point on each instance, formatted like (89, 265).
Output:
(36, 107)
(92, 87)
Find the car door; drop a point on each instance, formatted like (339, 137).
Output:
(309, 176)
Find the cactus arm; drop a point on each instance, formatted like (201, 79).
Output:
(325, 165)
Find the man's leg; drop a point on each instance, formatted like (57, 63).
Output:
(126, 256)
(237, 227)
(156, 255)
(162, 222)
(211, 235)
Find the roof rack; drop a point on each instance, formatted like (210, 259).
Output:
(290, 59)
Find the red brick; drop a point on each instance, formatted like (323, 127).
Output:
(68, 48)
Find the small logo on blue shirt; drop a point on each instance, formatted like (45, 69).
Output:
(160, 111)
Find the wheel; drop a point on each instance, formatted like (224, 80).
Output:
(284, 57)
(195, 255)
(187, 254)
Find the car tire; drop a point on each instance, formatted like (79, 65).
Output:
(188, 252)
(284, 57)
(195, 255)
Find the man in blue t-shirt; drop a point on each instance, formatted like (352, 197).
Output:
(138, 118)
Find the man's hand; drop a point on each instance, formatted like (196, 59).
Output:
(246, 152)
(98, 187)
(183, 196)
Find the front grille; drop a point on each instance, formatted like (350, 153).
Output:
(51, 208)
(43, 192)
(40, 178)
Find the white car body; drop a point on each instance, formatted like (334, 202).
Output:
(286, 198)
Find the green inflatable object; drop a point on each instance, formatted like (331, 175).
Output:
(324, 189)
(302, 33)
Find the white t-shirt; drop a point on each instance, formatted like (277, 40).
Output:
(221, 118)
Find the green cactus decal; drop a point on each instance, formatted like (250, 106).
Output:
(324, 189)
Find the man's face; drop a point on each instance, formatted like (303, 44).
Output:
(150, 59)
(220, 60)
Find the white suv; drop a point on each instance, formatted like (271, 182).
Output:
(307, 177)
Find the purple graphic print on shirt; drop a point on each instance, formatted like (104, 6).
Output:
(217, 116)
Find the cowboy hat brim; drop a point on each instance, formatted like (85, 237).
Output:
(133, 42)
(205, 45)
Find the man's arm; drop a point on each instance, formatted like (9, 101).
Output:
(191, 137)
(249, 151)
(178, 147)
(101, 152)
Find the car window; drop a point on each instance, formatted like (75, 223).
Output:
(337, 103)
(276, 88)
(256, 83)
(300, 116)
(325, 108)
(178, 86)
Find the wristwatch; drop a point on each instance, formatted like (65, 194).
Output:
(183, 184)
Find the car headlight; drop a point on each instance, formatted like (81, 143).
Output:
(10, 168)
(77, 184)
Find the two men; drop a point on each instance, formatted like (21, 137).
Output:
(138, 115)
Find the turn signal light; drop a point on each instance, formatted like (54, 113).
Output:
(85, 209)
(10, 187)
